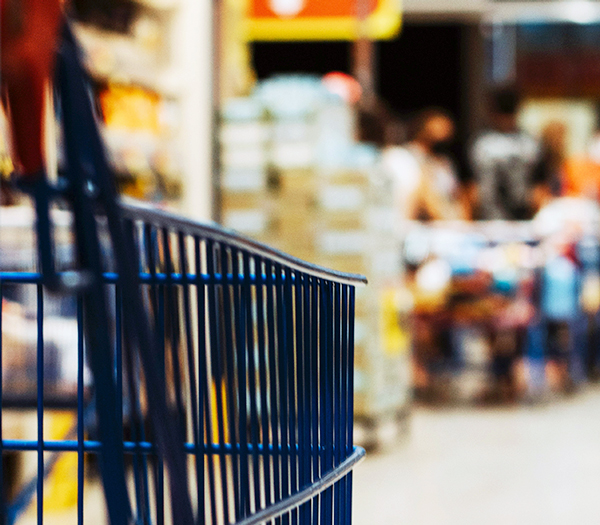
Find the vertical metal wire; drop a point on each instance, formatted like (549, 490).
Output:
(206, 431)
(308, 379)
(134, 381)
(282, 387)
(247, 304)
(40, 404)
(191, 364)
(301, 399)
(241, 355)
(214, 310)
(329, 461)
(118, 364)
(80, 411)
(83, 141)
(135, 422)
(290, 352)
(160, 327)
(337, 358)
(157, 298)
(315, 382)
(350, 395)
(229, 376)
(3, 516)
(323, 389)
(138, 237)
(326, 366)
(343, 438)
(273, 382)
(268, 459)
(172, 330)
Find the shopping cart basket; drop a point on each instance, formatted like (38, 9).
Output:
(202, 345)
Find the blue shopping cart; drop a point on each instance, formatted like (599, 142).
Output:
(222, 370)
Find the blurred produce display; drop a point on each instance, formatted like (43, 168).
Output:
(505, 311)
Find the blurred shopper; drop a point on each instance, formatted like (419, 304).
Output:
(506, 166)
(425, 182)
(582, 175)
(373, 120)
(550, 172)
(427, 188)
(503, 160)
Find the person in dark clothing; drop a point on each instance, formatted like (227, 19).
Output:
(503, 161)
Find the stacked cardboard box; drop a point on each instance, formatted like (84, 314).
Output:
(294, 228)
(355, 219)
(244, 136)
(325, 199)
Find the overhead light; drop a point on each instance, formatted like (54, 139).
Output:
(574, 11)
(581, 11)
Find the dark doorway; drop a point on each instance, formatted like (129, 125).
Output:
(424, 66)
(421, 67)
(300, 57)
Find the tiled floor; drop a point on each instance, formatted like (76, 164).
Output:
(518, 466)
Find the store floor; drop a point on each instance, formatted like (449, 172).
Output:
(502, 466)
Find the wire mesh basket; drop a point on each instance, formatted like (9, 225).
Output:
(257, 364)
(209, 378)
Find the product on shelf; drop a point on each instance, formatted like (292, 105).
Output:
(128, 51)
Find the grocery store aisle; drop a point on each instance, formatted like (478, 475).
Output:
(521, 465)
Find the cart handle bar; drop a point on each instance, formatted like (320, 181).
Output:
(133, 210)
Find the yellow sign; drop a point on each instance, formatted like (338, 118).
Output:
(395, 330)
(280, 20)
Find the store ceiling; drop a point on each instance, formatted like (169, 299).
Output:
(564, 11)
(506, 11)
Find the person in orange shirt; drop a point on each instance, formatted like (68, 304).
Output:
(582, 175)
(549, 175)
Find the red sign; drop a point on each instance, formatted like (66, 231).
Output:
(279, 20)
(309, 8)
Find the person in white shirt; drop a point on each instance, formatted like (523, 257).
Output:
(426, 186)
